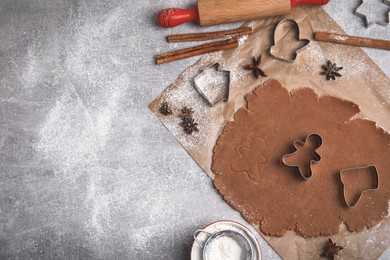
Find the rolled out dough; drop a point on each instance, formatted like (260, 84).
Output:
(274, 196)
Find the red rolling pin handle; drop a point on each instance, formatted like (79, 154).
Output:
(308, 2)
(172, 17)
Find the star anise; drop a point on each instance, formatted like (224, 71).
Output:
(255, 67)
(186, 112)
(331, 249)
(165, 109)
(188, 124)
(330, 70)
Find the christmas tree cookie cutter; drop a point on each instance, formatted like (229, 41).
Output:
(316, 157)
(373, 169)
(294, 53)
(365, 11)
(213, 84)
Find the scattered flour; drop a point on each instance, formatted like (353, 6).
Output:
(339, 37)
(242, 39)
(79, 126)
(187, 95)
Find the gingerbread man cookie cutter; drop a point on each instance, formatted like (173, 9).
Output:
(294, 55)
(213, 84)
(376, 186)
(364, 11)
(316, 157)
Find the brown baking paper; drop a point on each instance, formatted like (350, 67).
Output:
(363, 82)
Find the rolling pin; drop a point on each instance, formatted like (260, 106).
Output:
(212, 12)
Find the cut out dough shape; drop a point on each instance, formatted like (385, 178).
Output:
(280, 201)
(251, 160)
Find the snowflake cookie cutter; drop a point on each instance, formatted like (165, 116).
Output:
(294, 54)
(374, 170)
(213, 84)
(366, 14)
(317, 157)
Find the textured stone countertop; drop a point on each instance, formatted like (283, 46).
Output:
(86, 170)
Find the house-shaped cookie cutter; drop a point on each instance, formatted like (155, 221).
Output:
(295, 26)
(375, 171)
(213, 84)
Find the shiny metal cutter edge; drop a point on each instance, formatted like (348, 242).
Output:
(201, 92)
(298, 38)
(364, 191)
(364, 17)
(314, 153)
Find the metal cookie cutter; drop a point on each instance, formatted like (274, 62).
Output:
(373, 169)
(213, 242)
(315, 155)
(213, 84)
(372, 15)
(295, 53)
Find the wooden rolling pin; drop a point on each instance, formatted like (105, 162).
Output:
(211, 12)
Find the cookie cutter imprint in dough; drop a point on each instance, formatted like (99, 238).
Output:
(294, 54)
(374, 170)
(213, 84)
(252, 168)
(365, 13)
(317, 158)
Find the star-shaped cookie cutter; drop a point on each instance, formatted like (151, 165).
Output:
(296, 27)
(360, 11)
(316, 156)
(375, 171)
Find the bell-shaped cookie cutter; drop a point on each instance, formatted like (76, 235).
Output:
(361, 13)
(375, 170)
(213, 92)
(317, 157)
(296, 26)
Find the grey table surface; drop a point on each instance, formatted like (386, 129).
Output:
(86, 170)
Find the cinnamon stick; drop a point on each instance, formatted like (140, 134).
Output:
(197, 50)
(352, 40)
(209, 35)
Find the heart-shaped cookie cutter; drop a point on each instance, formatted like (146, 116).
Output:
(296, 26)
(375, 171)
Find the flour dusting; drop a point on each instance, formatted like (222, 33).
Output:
(80, 124)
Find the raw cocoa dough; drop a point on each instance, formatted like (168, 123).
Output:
(251, 178)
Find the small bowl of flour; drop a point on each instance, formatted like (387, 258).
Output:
(227, 245)
(225, 240)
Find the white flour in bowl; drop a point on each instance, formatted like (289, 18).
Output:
(226, 248)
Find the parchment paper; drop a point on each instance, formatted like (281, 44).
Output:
(362, 82)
